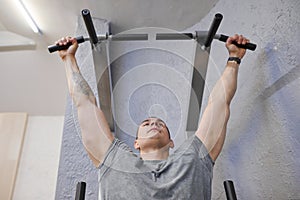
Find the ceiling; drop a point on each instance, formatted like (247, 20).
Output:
(33, 81)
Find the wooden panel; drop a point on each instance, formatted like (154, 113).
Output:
(12, 130)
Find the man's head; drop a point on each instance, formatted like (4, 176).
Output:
(153, 134)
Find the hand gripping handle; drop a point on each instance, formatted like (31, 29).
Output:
(53, 48)
(249, 46)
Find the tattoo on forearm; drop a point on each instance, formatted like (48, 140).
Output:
(81, 84)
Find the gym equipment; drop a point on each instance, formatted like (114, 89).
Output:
(209, 35)
(229, 189)
(80, 191)
(203, 38)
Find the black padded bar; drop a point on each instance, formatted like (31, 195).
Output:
(89, 25)
(125, 37)
(224, 38)
(229, 189)
(53, 48)
(213, 29)
(174, 36)
(80, 191)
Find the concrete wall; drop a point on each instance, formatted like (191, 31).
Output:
(151, 78)
(140, 89)
(75, 165)
(38, 168)
(261, 152)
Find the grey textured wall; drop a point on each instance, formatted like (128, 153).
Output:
(74, 165)
(261, 152)
(151, 79)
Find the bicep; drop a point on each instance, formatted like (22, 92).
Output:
(212, 127)
(95, 131)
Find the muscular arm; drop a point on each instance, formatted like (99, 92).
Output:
(212, 126)
(95, 131)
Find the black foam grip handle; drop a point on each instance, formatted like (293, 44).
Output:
(53, 48)
(80, 191)
(229, 189)
(249, 46)
(89, 25)
(213, 29)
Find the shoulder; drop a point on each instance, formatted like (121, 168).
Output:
(194, 147)
(118, 151)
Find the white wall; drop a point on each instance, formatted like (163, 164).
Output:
(37, 174)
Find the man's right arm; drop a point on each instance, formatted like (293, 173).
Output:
(95, 131)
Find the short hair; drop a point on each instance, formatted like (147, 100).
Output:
(137, 132)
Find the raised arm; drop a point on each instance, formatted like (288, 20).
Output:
(95, 131)
(212, 126)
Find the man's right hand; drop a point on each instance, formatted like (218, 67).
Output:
(72, 48)
(233, 50)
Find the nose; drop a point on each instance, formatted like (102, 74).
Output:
(155, 122)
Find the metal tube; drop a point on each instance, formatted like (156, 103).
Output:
(175, 36)
(229, 189)
(213, 29)
(159, 36)
(89, 25)
(80, 191)
(125, 37)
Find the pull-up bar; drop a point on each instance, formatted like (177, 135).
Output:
(209, 35)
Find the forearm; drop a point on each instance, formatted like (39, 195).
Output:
(225, 87)
(78, 87)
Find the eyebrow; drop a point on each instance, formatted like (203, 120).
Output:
(147, 120)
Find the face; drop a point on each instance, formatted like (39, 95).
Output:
(153, 132)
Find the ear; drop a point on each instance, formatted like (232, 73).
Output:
(136, 145)
(171, 144)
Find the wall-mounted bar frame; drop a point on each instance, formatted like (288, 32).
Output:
(204, 40)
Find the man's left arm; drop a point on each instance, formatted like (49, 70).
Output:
(212, 126)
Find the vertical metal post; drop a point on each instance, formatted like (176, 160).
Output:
(198, 82)
(89, 26)
(229, 189)
(199, 73)
(80, 191)
(102, 66)
(213, 29)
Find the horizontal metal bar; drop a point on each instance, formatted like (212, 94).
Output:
(125, 37)
(198, 35)
(159, 36)
(144, 36)
(175, 36)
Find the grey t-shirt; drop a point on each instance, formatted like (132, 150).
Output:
(186, 174)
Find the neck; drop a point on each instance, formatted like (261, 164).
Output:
(155, 154)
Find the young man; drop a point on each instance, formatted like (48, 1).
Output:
(155, 174)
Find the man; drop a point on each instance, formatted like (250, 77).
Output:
(155, 174)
